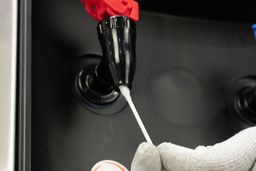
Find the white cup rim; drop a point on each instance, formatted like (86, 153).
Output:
(109, 162)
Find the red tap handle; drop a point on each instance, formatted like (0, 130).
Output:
(101, 9)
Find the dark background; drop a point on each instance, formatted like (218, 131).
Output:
(242, 11)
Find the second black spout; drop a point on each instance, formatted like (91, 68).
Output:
(117, 36)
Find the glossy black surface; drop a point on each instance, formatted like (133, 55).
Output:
(97, 83)
(117, 36)
(89, 85)
(183, 68)
(244, 100)
(95, 94)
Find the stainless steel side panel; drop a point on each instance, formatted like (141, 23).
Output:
(8, 59)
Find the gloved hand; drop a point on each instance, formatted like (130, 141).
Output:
(235, 154)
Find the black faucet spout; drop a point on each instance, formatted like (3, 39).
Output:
(117, 36)
(98, 83)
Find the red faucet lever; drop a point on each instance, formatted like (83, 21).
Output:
(101, 9)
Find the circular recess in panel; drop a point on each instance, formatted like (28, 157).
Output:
(176, 96)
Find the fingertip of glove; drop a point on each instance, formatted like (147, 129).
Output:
(147, 158)
(163, 146)
(145, 147)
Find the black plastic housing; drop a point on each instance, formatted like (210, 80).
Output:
(117, 36)
(245, 104)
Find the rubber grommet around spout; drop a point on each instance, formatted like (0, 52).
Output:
(245, 104)
(92, 93)
(94, 96)
(241, 100)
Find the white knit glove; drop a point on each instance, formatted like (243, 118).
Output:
(235, 154)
